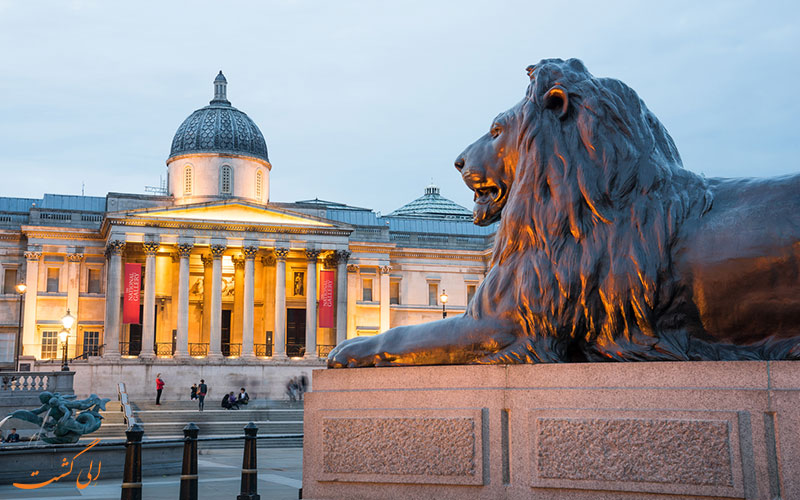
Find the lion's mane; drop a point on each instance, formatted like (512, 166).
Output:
(582, 255)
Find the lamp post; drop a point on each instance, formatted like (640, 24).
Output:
(68, 320)
(21, 287)
(443, 298)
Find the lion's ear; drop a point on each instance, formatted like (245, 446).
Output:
(556, 98)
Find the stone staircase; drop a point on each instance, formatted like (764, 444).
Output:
(169, 419)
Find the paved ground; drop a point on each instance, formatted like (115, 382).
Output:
(279, 473)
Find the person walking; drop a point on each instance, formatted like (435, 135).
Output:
(159, 387)
(193, 394)
(202, 390)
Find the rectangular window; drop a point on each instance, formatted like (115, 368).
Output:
(394, 292)
(94, 281)
(366, 289)
(7, 347)
(50, 344)
(52, 278)
(91, 343)
(471, 292)
(433, 294)
(10, 281)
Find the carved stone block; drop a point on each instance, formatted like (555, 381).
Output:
(698, 454)
(409, 449)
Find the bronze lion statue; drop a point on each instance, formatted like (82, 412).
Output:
(607, 249)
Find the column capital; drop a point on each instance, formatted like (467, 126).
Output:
(352, 268)
(207, 260)
(150, 247)
(115, 247)
(312, 255)
(184, 249)
(385, 269)
(217, 251)
(74, 257)
(342, 256)
(250, 252)
(33, 256)
(281, 253)
(238, 261)
(269, 260)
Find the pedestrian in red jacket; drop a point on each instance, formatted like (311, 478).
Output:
(159, 388)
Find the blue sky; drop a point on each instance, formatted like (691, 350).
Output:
(366, 102)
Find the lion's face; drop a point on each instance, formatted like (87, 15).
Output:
(488, 166)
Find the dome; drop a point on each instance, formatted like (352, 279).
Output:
(433, 205)
(219, 128)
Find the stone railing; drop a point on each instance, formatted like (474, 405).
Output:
(35, 382)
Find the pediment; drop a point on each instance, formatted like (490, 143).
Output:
(230, 212)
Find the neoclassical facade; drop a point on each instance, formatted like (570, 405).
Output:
(226, 274)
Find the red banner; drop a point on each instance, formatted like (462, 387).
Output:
(326, 299)
(130, 302)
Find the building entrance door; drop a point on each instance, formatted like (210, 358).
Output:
(135, 336)
(226, 332)
(295, 332)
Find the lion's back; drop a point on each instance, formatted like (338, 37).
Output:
(742, 259)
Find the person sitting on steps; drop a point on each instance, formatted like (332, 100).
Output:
(243, 397)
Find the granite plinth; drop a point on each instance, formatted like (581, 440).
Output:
(681, 430)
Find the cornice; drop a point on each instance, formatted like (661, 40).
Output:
(199, 225)
(186, 156)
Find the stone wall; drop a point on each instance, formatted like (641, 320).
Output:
(261, 380)
(577, 431)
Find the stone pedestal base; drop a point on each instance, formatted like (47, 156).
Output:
(571, 431)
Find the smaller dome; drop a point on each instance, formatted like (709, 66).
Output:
(433, 205)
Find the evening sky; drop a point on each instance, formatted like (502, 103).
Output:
(366, 102)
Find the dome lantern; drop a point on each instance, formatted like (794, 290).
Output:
(220, 90)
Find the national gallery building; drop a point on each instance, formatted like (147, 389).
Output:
(223, 277)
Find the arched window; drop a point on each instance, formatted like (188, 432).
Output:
(259, 185)
(187, 180)
(226, 180)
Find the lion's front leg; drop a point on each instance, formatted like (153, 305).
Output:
(457, 340)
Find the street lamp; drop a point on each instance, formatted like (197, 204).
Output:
(443, 298)
(68, 320)
(21, 287)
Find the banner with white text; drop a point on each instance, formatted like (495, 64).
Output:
(326, 319)
(130, 303)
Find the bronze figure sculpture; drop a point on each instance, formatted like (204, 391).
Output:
(65, 419)
(607, 249)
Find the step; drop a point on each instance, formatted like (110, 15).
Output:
(175, 429)
(207, 415)
(215, 402)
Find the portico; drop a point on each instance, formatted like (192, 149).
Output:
(263, 261)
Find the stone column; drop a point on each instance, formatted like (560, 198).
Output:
(249, 293)
(352, 292)
(268, 318)
(341, 257)
(73, 287)
(385, 271)
(150, 249)
(208, 262)
(182, 334)
(114, 251)
(32, 282)
(279, 349)
(215, 331)
(311, 304)
(238, 298)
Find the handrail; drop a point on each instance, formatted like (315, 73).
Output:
(125, 405)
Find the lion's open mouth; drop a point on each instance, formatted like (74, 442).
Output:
(489, 200)
(487, 191)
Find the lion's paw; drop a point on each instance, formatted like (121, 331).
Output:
(354, 353)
